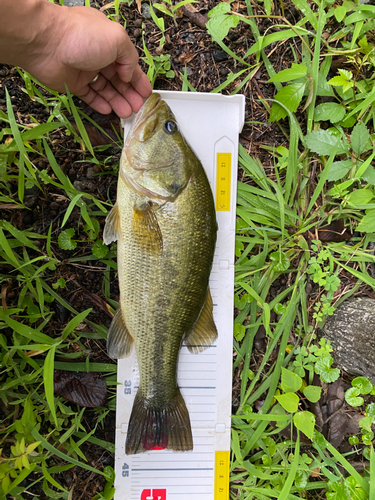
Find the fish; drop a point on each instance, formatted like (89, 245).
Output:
(164, 222)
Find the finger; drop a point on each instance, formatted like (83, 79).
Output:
(126, 90)
(126, 60)
(89, 96)
(118, 102)
(140, 82)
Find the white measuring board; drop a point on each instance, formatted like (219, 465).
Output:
(211, 124)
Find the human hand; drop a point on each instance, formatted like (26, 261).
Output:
(80, 43)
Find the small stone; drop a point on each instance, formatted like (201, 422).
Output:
(223, 71)
(78, 185)
(137, 33)
(74, 3)
(189, 71)
(54, 205)
(90, 174)
(138, 23)
(72, 172)
(219, 55)
(146, 12)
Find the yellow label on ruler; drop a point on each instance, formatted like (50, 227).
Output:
(221, 475)
(223, 171)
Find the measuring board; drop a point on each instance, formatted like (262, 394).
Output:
(211, 124)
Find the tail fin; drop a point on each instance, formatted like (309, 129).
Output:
(153, 428)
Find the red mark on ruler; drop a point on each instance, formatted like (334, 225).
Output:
(155, 494)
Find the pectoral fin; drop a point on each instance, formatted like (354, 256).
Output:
(146, 229)
(119, 340)
(204, 332)
(112, 226)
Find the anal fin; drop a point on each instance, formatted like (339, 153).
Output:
(119, 340)
(112, 226)
(204, 332)
(146, 229)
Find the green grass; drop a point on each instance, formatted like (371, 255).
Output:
(324, 174)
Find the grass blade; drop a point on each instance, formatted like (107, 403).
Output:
(48, 372)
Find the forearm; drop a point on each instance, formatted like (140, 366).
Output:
(26, 27)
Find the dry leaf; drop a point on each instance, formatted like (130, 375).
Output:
(85, 389)
(186, 57)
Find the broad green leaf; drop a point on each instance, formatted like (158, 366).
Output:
(305, 422)
(340, 13)
(360, 197)
(220, 9)
(291, 97)
(339, 169)
(363, 384)
(329, 111)
(281, 261)
(351, 397)
(60, 283)
(289, 401)
(301, 480)
(65, 239)
(324, 370)
(312, 393)
(290, 381)
(366, 423)
(370, 410)
(359, 138)
(219, 26)
(367, 224)
(280, 308)
(239, 331)
(99, 249)
(293, 73)
(324, 142)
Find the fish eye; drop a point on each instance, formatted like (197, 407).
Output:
(170, 127)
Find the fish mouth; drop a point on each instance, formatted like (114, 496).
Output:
(149, 108)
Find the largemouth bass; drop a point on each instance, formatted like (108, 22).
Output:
(165, 226)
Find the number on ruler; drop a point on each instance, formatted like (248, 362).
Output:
(127, 389)
(125, 470)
